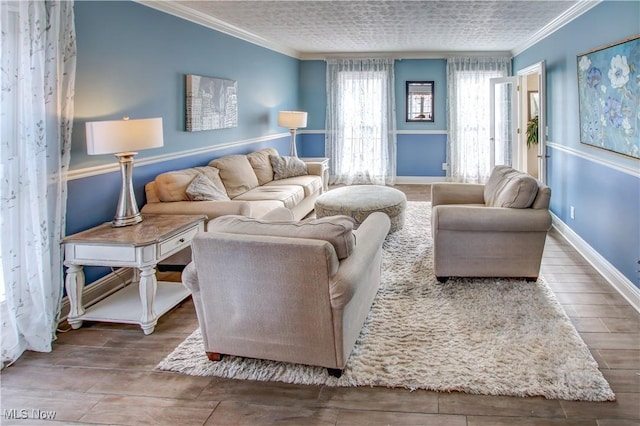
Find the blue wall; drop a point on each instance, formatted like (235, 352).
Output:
(603, 187)
(132, 61)
(421, 146)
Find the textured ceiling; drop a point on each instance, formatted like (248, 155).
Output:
(316, 28)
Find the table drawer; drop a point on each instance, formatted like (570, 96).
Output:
(178, 241)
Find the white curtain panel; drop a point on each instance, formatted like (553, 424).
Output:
(468, 90)
(38, 63)
(360, 126)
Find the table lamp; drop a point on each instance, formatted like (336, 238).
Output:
(124, 138)
(292, 120)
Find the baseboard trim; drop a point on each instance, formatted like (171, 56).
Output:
(419, 180)
(98, 290)
(615, 278)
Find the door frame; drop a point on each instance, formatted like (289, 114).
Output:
(536, 68)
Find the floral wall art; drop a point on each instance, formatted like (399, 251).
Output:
(608, 90)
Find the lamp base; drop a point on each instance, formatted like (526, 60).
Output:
(126, 221)
(127, 212)
(293, 152)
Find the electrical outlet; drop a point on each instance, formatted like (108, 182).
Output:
(445, 166)
(572, 212)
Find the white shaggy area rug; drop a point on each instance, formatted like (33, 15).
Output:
(480, 336)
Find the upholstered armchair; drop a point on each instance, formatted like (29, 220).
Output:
(492, 230)
(296, 292)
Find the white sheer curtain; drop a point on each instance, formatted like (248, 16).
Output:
(360, 126)
(468, 149)
(38, 61)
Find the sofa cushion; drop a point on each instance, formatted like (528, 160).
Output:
(289, 195)
(172, 186)
(518, 193)
(311, 184)
(261, 164)
(337, 230)
(236, 173)
(286, 167)
(202, 189)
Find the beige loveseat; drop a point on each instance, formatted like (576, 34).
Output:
(493, 230)
(244, 185)
(296, 292)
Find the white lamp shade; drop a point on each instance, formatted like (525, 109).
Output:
(109, 137)
(292, 119)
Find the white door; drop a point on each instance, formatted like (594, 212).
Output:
(503, 131)
(533, 81)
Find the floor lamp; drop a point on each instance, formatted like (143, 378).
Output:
(123, 138)
(292, 120)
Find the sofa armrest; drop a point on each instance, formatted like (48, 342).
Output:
(490, 219)
(369, 238)
(211, 209)
(314, 168)
(456, 193)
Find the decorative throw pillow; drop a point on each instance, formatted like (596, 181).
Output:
(202, 189)
(286, 167)
(172, 186)
(499, 177)
(518, 193)
(336, 230)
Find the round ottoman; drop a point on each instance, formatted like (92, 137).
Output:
(359, 201)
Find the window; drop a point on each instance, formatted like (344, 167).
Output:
(362, 130)
(360, 138)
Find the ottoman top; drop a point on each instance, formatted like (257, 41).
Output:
(362, 198)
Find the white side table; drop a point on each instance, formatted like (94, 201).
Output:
(141, 247)
(325, 169)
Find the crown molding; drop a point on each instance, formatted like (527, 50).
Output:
(321, 56)
(179, 10)
(569, 15)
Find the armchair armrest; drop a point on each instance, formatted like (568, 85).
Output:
(211, 209)
(456, 193)
(490, 219)
(369, 238)
(190, 278)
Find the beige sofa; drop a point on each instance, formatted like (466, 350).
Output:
(296, 292)
(244, 185)
(493, 230)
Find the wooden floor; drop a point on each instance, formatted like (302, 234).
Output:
(104, 374)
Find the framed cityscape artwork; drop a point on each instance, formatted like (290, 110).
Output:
(608, 92)
(212, 103)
